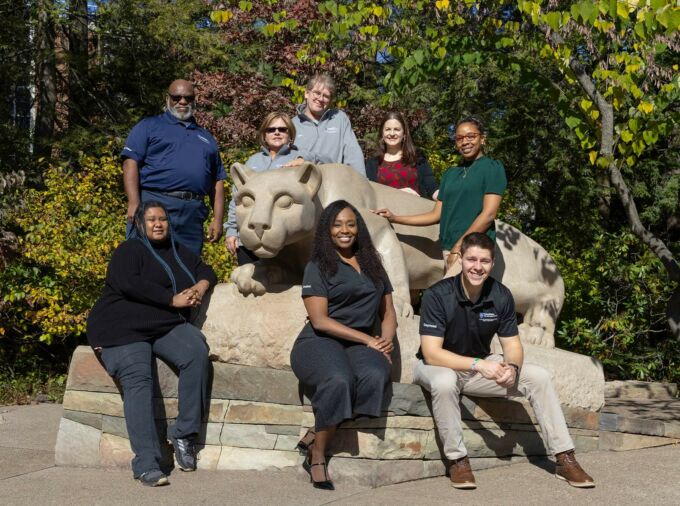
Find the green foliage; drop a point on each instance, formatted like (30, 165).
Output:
(616, 295)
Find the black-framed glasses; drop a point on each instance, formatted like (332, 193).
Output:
(271, 130)
(177, 98)
(466, 137)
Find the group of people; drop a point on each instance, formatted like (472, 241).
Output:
(156, 280)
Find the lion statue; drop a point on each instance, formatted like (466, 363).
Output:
(277, 212)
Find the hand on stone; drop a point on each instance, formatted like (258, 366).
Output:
(384, 212)
(452, 259)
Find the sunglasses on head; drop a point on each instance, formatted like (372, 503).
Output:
(271, 130)
(177, 98)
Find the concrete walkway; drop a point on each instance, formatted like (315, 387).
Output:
(28, 476)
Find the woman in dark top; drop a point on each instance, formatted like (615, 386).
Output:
(469, 196)
(340, 354)
(152, 285)
(397, 163)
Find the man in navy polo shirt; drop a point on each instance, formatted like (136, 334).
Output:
(458, 318)
(170, 159)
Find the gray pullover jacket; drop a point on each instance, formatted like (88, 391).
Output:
(331, 139)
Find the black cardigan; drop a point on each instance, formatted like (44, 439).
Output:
(426, 180)
(135, 303)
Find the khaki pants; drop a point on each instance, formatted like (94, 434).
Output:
(446, 386)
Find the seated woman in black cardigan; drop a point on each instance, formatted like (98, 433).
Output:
(343, 352)
(152, 285)
(397, 163)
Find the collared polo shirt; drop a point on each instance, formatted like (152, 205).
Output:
(466, 327)
(353, 298)
(174, 155)
(462, 191)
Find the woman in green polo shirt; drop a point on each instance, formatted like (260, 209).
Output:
(469, 195)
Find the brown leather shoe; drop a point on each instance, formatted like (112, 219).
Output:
(566, 468)
(461, 474)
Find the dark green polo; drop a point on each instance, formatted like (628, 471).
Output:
(462, 193)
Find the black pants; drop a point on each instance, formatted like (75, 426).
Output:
(184, 347)
(346, 378)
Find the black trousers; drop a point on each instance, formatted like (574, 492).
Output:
(132, 364)
(346, 378)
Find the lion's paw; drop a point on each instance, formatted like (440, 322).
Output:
(242, 277)
(535, 335)
(403, 307)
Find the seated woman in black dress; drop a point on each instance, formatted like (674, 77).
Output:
(152, 284)
(337, 354)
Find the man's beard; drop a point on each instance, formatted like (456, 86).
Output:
(182, 116)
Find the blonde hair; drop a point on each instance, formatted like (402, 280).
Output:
(267, 121)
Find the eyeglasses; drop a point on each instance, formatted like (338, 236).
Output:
(466, 137)
(177, 98)
(271, 130)
(319, 95)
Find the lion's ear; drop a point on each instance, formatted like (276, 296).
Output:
(240, 174)
(310, 176)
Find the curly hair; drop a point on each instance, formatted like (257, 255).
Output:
(325, 254)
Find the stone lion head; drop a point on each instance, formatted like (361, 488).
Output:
(276, 207)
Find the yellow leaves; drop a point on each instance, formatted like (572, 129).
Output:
(442, 4)
(378, 10)
(441, 52)
(592, 156)
(645, 107)
(221, 16)
(626, 136)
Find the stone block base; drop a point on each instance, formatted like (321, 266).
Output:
(256, 418)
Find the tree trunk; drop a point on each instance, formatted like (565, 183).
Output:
(46, 80)
(77, 62)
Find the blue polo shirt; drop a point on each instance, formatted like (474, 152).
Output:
(174, 155)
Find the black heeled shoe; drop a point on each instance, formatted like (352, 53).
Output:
(307, 465)
(302, 447)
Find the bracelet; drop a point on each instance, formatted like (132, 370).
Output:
(473, 367)
(456, 253)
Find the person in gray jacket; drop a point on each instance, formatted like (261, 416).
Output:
(324, 131)
(275, 134)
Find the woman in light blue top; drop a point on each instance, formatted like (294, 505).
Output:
(276, 136)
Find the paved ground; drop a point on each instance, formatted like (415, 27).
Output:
(28, 476)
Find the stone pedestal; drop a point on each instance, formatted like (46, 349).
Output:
(256, 418)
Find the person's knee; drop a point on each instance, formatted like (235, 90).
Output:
(535, 376)
(338, 384)
(135, 375)
(443, 385)
(378, 375)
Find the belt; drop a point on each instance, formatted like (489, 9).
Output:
(182, 195)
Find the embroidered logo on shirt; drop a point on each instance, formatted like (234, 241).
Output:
(332, 130)
(203, 138)
(306, 286)
(128, 149)
(429, 325)
(488, 317)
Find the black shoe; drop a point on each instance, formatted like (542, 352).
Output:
(154, 478)
(185, 453)
(302, 447)
(307, 465)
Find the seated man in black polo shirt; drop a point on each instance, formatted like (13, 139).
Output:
(459, 317)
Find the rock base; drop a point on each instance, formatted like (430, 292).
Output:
(256, 418)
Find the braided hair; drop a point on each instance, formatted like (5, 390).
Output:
(139, 233)
(325, 255)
